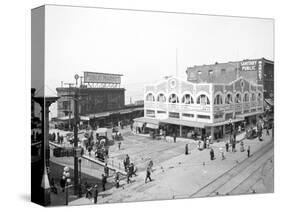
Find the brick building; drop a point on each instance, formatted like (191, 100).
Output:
(259, 71)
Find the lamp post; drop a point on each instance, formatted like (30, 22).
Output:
(66, 175)
(80, 171)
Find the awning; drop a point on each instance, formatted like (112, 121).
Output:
(269, 101)
(184, 123)
(65, 118)
(84, 118)
(99, 115)
(249, 114)
(147, 120)
(152, 126)
(224, 122)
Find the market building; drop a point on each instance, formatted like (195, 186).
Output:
(101, 102)
(207, 108)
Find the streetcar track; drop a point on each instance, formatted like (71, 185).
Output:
(239, 166)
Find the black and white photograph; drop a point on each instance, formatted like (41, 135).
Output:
(141, 105)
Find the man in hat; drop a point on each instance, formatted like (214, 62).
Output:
(106, 170)
(103, 181)
(186, 149)
(148, 173)
(212, 154)
(248, 151)
(95, 192)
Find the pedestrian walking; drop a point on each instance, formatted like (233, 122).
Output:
(103, 181)
(62, 183)
(212, 154)
(233, 146)
(242, 149)
(226, 146)
(164, 135)
(148, 173)
(116, 179)
(267, 130)
(186, 149)
(53, 186)
(119, 145)
(175, 137)
(95, 193)
(58, 137)
(248, 151)
(89, 191)
(106, 170)
(128, 176)
(222, 153)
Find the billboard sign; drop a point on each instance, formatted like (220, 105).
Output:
(249, 65)
(95, 77)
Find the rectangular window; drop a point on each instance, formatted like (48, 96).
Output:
(174, 115)
(161, 112)
(228, 116)
(210, 71)
(203, 117)
(188, 115)
(223, 70)
(150, 113)
(218, 116)
(65, 105)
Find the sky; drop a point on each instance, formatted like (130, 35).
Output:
(145, 46)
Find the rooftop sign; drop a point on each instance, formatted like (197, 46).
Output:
(95, 77)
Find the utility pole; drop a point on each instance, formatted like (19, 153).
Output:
(77, 150)
(69, 105)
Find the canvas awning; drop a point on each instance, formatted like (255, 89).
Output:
(184, 123)
(249, 114)
(147, 120)
(224, 122)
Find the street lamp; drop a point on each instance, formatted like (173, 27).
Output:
(80, 189)
(66, 175)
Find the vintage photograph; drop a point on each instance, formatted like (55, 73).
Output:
(132, 105)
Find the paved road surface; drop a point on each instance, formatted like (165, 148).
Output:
(238, 179)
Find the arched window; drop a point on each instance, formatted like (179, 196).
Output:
(218, 99)
(238, 98)
(253, 97)
(187, 99)
(150, 97)
(228, 99)
(246, 97)
(173, 98)
(203, 100)
(161, 98)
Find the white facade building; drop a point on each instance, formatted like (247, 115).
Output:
(205, 106)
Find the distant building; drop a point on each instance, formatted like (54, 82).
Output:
(206, 108)
(258, 71)
(101, 103)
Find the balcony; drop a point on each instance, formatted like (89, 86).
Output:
(238, 106)
(148, 104)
